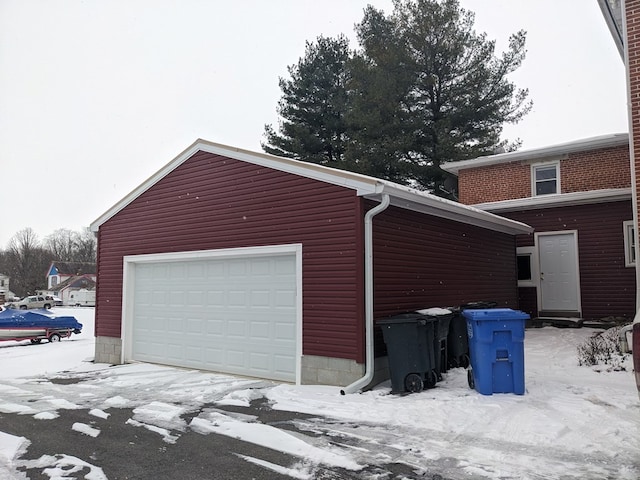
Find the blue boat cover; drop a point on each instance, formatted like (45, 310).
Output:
(37, 318)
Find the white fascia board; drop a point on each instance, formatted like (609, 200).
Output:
(362, 184)
(612, 13)
(411, 199)
(559, 200)
(593, 143)
(342, 178)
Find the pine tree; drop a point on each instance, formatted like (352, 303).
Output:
(313, 105)
(422, 89)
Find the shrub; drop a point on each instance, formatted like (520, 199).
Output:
(602, 348)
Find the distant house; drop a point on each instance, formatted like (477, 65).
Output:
(5, 293)
(66, 289)
(60, 272)
(580, 260)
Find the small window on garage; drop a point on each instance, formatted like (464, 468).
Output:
(629, 244)
(526, 267)
(545, 178)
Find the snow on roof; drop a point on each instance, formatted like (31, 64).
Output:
(365, 186)
(585, 144)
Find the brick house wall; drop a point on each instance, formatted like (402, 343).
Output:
(579, 172)
(493, 183)
(632, 13)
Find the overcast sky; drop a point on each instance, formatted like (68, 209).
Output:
(97, 95)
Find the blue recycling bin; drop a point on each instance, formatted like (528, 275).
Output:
(496, 350)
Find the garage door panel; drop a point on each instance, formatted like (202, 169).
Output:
(260, 330)
(232, 315)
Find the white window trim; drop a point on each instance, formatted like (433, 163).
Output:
(534, 166)
(532, 252)
(627, 228)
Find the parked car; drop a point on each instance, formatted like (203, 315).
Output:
(57, 301)
(34, 301)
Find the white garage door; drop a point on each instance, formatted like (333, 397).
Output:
(221, 311)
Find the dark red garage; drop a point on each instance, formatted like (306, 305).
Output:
(245, 263)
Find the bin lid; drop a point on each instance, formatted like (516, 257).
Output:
(412, 317)
(495, 314)
(434, 311)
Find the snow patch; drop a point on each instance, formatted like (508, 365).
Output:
(297, 474)
(270, 437)
(85, 429)
(166, 434)
(59, 467)
(11, 446)
(46, 415)
(96, 412)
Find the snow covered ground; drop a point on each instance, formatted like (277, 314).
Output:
(572, 423)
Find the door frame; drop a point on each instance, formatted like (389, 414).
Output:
(128, 282)
(537, 236)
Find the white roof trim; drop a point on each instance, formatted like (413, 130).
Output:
(593, 143)
(368, 187)
(612, 13)
(560, 200)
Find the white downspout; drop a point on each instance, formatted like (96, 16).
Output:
(368, 298)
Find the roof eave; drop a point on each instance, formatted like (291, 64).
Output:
(612, 13)
(593, 143)
(560, 200)
(443, 208)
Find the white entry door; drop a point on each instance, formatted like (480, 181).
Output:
(559, 286)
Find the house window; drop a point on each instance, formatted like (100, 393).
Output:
(629, 244)
(526, 267)
(545, 179)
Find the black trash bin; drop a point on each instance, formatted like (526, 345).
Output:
(443, 316)
(458, 339)
(458, 342)
(410, 340)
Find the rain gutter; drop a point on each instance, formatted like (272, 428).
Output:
(359, 384)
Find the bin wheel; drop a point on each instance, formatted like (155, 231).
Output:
(464, 361)
(54, 337)
(413, 383)
(470, 379)
(430, 379)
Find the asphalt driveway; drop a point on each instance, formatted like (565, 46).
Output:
(125, 451)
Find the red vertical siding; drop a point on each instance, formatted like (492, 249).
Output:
(528, 299)
(424, 261)
(213, 202)
(607, 286)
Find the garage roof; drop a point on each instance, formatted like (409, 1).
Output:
(365, 186)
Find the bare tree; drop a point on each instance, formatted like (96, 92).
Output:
(86, 247)
(69, 246)
(27, 262)
(62, 244)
